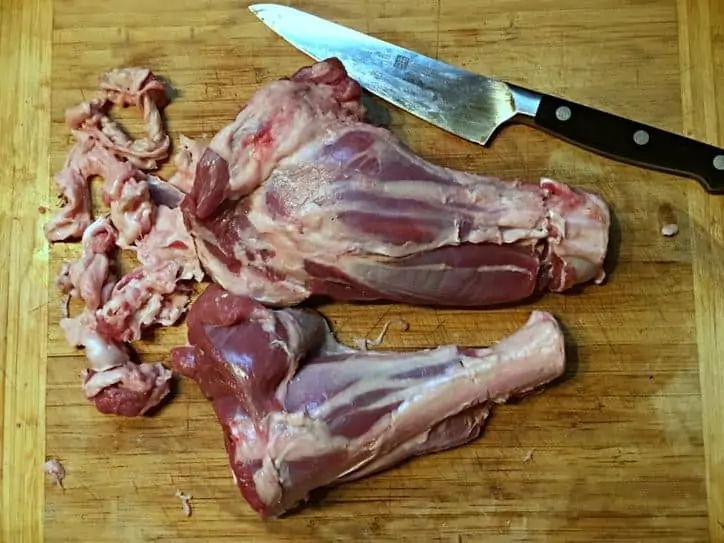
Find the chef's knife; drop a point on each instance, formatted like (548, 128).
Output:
(473, 106)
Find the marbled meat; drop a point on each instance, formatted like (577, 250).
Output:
(299, 411)
(299, 197)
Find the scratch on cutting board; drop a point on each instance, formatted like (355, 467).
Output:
(437, 36)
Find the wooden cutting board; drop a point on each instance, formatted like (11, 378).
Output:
(628, 448)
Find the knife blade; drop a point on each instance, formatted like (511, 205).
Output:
(474, 106)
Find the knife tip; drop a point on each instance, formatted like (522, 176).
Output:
(257, 8)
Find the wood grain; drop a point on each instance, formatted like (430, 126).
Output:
(25, 50)
(618, 447)
(702, 62)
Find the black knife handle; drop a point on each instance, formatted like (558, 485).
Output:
(633, 142)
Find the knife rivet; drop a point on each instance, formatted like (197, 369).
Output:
(719, 162)
(563, 113)
(641, 137)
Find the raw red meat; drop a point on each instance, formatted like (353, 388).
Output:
(299, 196)
(300, 411)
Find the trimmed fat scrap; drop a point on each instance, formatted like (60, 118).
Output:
(144, 217)
(299, 196)
(299, 411)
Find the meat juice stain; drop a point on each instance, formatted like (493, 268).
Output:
(263, 137)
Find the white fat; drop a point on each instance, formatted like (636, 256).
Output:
(244, 433)
(266, 482)
(514, 235)
(185, 502)
(56, 470)
(669, 230)
(266, 318)
(296, 436)
(558, 222)
(102, 380)
(382, 379)
(248, 281)
(103, 354)
(511, 268)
